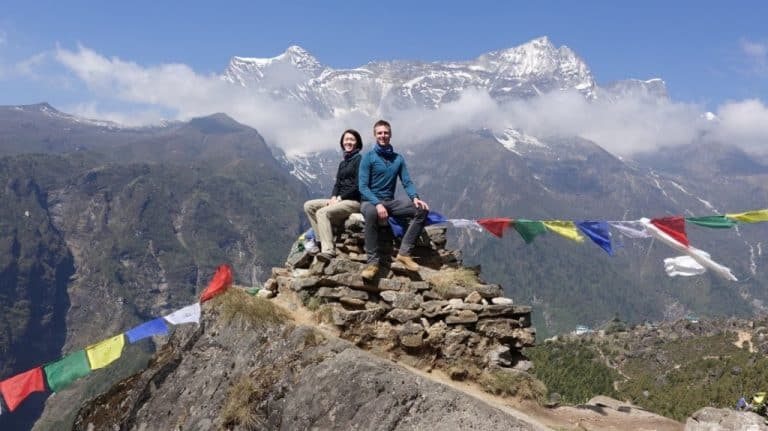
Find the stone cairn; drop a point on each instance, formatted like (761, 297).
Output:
(442, 316)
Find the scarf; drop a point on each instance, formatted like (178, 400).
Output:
(349, 155)
(387, 152)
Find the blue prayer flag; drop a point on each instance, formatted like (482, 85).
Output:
(146, 330)
(598, 232)
(397, 225)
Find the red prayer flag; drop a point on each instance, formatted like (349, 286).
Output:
(18, 387)
(220, 282)
(674, 227)
(495, 226)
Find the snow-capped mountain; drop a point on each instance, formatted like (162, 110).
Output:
(377, 88)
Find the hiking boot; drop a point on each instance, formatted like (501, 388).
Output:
(409, 264)
(370, 271)
(324, 257)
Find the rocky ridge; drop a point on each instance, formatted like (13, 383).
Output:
(442, 316)
(247, 366)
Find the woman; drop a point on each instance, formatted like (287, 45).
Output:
(345, 198)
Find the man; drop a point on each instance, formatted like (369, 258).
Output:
(379, 170)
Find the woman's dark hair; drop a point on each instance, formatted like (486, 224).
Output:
(358, 139)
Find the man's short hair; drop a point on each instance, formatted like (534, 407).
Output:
(382, 123)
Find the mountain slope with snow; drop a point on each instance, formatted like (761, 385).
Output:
(377, 88)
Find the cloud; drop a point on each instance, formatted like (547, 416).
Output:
(744, 124)
(623, 126)
(756, 54)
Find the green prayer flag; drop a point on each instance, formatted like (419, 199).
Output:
(529, 229)
(66, 370)
(717, 222)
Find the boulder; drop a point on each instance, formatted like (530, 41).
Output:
(501, 301)
(298, 284)
(342, 317)
(710, 419)
(351, 279)
(412, 335)
(499, 329)
(494, 310)
(473, 298)
(338, 266)
(402, 315)
(343, 291)
(461, 317)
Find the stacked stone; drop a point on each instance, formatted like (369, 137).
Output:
(402, 311)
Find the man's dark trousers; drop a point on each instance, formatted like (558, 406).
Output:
(395, 208)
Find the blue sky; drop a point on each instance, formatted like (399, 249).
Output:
(700, 48)
(139, 62)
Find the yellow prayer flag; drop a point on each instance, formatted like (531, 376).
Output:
(564, 228)
(750, 216)
(105, 352)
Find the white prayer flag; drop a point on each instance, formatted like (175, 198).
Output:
(188, 314)
(631, 229)
(464, 223)
(699, 256)
(684, 266)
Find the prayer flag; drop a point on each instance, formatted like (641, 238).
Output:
(565, 229)
(464, 223)
(398, 225)
(15, 389)
(220, 282)
(717, 222)
(188, 314)
(147, 329)
(699, 256)
(397, 229)
(672, 226)
(66, 370)
(434, 217)
(495, 226)
(750, 216)
(529, 229)
(685, 266)
(105, 352)
(598, 232)
(630, 228)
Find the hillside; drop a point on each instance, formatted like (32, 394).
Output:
(672, 368)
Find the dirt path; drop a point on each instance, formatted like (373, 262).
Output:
(745, 336)
(607, 415)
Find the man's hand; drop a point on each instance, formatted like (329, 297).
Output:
(333, 200)
(382, 212)
(418, 203)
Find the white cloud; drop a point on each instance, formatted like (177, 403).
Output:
(757, 55)
(744, 124)
(625, 126)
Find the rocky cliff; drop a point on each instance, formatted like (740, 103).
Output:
(247, 366)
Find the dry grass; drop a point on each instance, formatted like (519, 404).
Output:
(313, 303)
(236, 303)
(240, 405)
(324, 314)
(514, 384)
(446, 278)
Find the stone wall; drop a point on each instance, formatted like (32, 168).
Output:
(442, 316)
